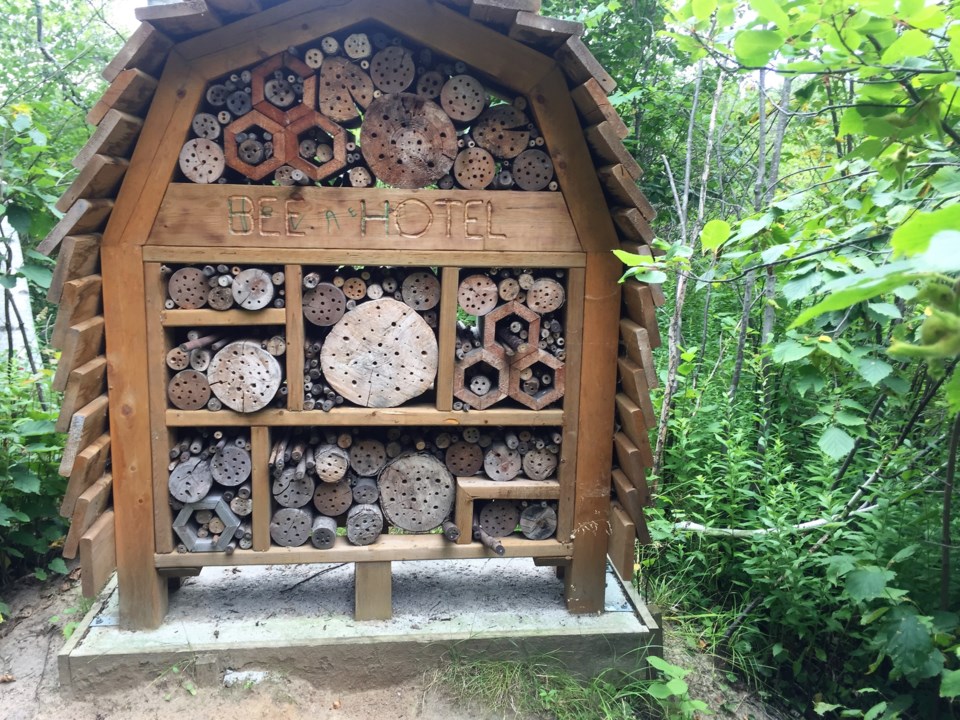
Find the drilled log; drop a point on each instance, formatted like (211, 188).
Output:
(501, 463)
(191, 480)
(464, 459)
(532, 170)
(367, 457)
(291, 527)
(343, 86)
(291, 491)
(332, 463)
(421, 291)
(323, 534)
(253, 289)
(539, 464)
(499, 518)
(463, 98)
(188, 390)
(366, 490)
(538, 521)
(503, 131)
(244, 376)
(333, 499)
(324, 304)
(416, 492)
(364, 524)
(392, 69)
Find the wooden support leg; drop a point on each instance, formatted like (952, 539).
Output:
(373, 591)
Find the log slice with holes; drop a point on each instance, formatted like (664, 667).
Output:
(421, 291)
(477, 295)
(463, 97)
(291, 527)
(546, 295)
(191, 480)
(407, 141)
(252, 289)
(539, 464)
(333, 499)
(188, 390)
(474, 168)
(501, 463)
(202, 161)
(364, 524)
(367, 457)
(502, 130)
(392, 69)
(538, 521)
(244, 376)
(500, 517)
(380, 355)
(292, 492)
(343, 86)
(324, 534)
(416, 492)
(188, 288)
(464, 459)
(532, 170)
(332, 463)
(231, 466)
(324, 305)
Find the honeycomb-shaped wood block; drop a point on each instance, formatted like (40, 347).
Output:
(231, 151)
(542, 363)
(490, 364)
(500, 328)
(261, 94)
(336, 133)
(188, 534)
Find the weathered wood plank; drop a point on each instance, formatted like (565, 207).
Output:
(632, 502)
(501, 13)
(84, 385)
(623, 189)
(232, 9)
(295, 336)
(81, 300)
(543, 33)
(180, 20)
(146, 49)
(79, 257)
(594, 107)
(642, 309)
(373, 591)
(87, 469)
(632, 225)
(98, 555)
(377, 219)
(406, 416)
(580, 65)
(260, 441)
(632, 422)
(90, 506)
(86, 216)
(622, 547)
(637, 341)
(633, 380)
(83, 342)
(131, 92)
(114, 136)
(610, 149)
(631, 459)
(567, 471)
(99, 178)
(88, 423)
(447, 337)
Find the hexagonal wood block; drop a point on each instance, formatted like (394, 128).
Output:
(495, 359)
(264, 72)
(188, 534)
(337, 134)
(496, 330)
(242, 124)
(545, 395)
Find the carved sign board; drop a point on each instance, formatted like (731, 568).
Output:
(375, 219)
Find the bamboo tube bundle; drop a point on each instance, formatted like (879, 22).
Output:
(212, 369)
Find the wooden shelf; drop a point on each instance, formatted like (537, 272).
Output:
(238, 318)
(517, 489)
(407, 415)
(387, 548)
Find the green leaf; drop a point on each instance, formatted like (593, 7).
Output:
(867, 583)
(835, 442)
(873, 370)
(652, 277)
(886, 309)
(34, 428)
(659, 690)
(822, 708)
(790, 351)
(802, 287)
(714, 234)
(22, 122)
(950, 684)
(677, 687)
(913, 237)
(912, 43)
(58, 566)
(851, 122)
(843, 299)
(849, 419)
(771, 10)
(754, 48)
(8, 281)
(910, 646)
(39, 276)
(703, 9)
(25, 481)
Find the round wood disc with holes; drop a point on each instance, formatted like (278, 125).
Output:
(366, 490)
(188, 390)
(231, 466)
(244, 376)
(355, 288)
(188, 288)
(545, 296)
(367, 457)
(364, 524)
(333, 499)
(474, 168)
(343, 86)
(508, 289)
(313, 58)
(291, 527)
(253, 289)
(357, 46)
(293, 493)
(464, 458)
(220, 298)
(177, 359)
(421, 291)
(501, 463)
(500, 517)
(539, 464)
(538, 521)
(251, 151)
(416, 492)
(463, 97)
(392, 69)
(429, 85)
(324, 534)
(239, 103)
(477, 295)
(202, 161)
(206, 126)
(532, 170)
(190, 481)
(332, 463)
(217, 95)
(502, 130)
(324, 305)
(380, 355)
(279, 92)
(407, 141)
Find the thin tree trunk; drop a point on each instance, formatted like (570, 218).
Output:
(945, 540)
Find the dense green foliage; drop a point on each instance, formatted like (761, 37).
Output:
(807, 181)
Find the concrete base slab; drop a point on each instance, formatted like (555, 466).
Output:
(299, 620)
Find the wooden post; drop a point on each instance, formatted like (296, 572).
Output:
(373, 588)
